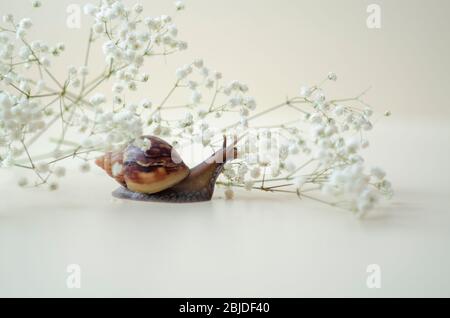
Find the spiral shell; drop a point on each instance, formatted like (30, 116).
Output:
(157, 168)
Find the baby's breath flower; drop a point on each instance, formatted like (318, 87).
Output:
(377, 172)
(332, 76)
(25, 23)
(179, 5)
(22, 182)
(305, 91)
(97, 99)
(229, 194)
(59, 171)
(255, 172)
(90, 9)
(138, 8)
(328, 136)
(42, 167)
(248, 185)
(300, 181)
(85, 167)
(196, 97)
(36, 3)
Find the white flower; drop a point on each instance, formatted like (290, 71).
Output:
(255, 172)
(248, 185)
(76, 83)
(53, 186)
(173, 31)
(45, 61)
(179, 5)
(352, 145)
(138, 8)
(22, 182)
(181, 73)
(145, 103)
(366, 201)
(25, 23)
(40, 85)
(36, 3)
(5, 100)
(192, 85)
(339, 110)
(90, 9)
(42, 167)
(85, 167)
(332, 76)
(61, 46)
(378, 173)
(60, 171)
(293, 149)
(368, 111)
(198, 63)
(7, 162)
(98, 27)
(300, 181)
(72, 70)
(83, 71)
(196, 97)
(181, 45)
(290, 166)
(229, 193)
(97, 99)
(305, 91)
(143, 143)
(109, 47)
(242, 170)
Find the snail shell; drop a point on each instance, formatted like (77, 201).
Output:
(159, 174)
(153, 170)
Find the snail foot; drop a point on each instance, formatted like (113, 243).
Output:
(164, 196)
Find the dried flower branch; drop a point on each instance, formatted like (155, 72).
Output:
(315, 155)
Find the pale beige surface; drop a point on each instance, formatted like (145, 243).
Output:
(261, 245)
(256, 245)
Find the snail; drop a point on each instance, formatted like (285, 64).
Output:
(159, 173)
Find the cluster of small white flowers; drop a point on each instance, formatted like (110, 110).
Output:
(130, 38)
(328, 136)
(319, 149)
(351, 182)
(29, 106)
(208, 99)
(18, 116)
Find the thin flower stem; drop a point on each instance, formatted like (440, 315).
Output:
(45, 95)
(28, 154)
(264, 177)
(175, 86)
(73, 154)
(300, 168)
(86, 60)
(258, 115)
(21, 91)
(317, 199)
(279, 186)
(23, 166)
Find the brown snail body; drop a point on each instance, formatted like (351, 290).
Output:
(159, 174)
